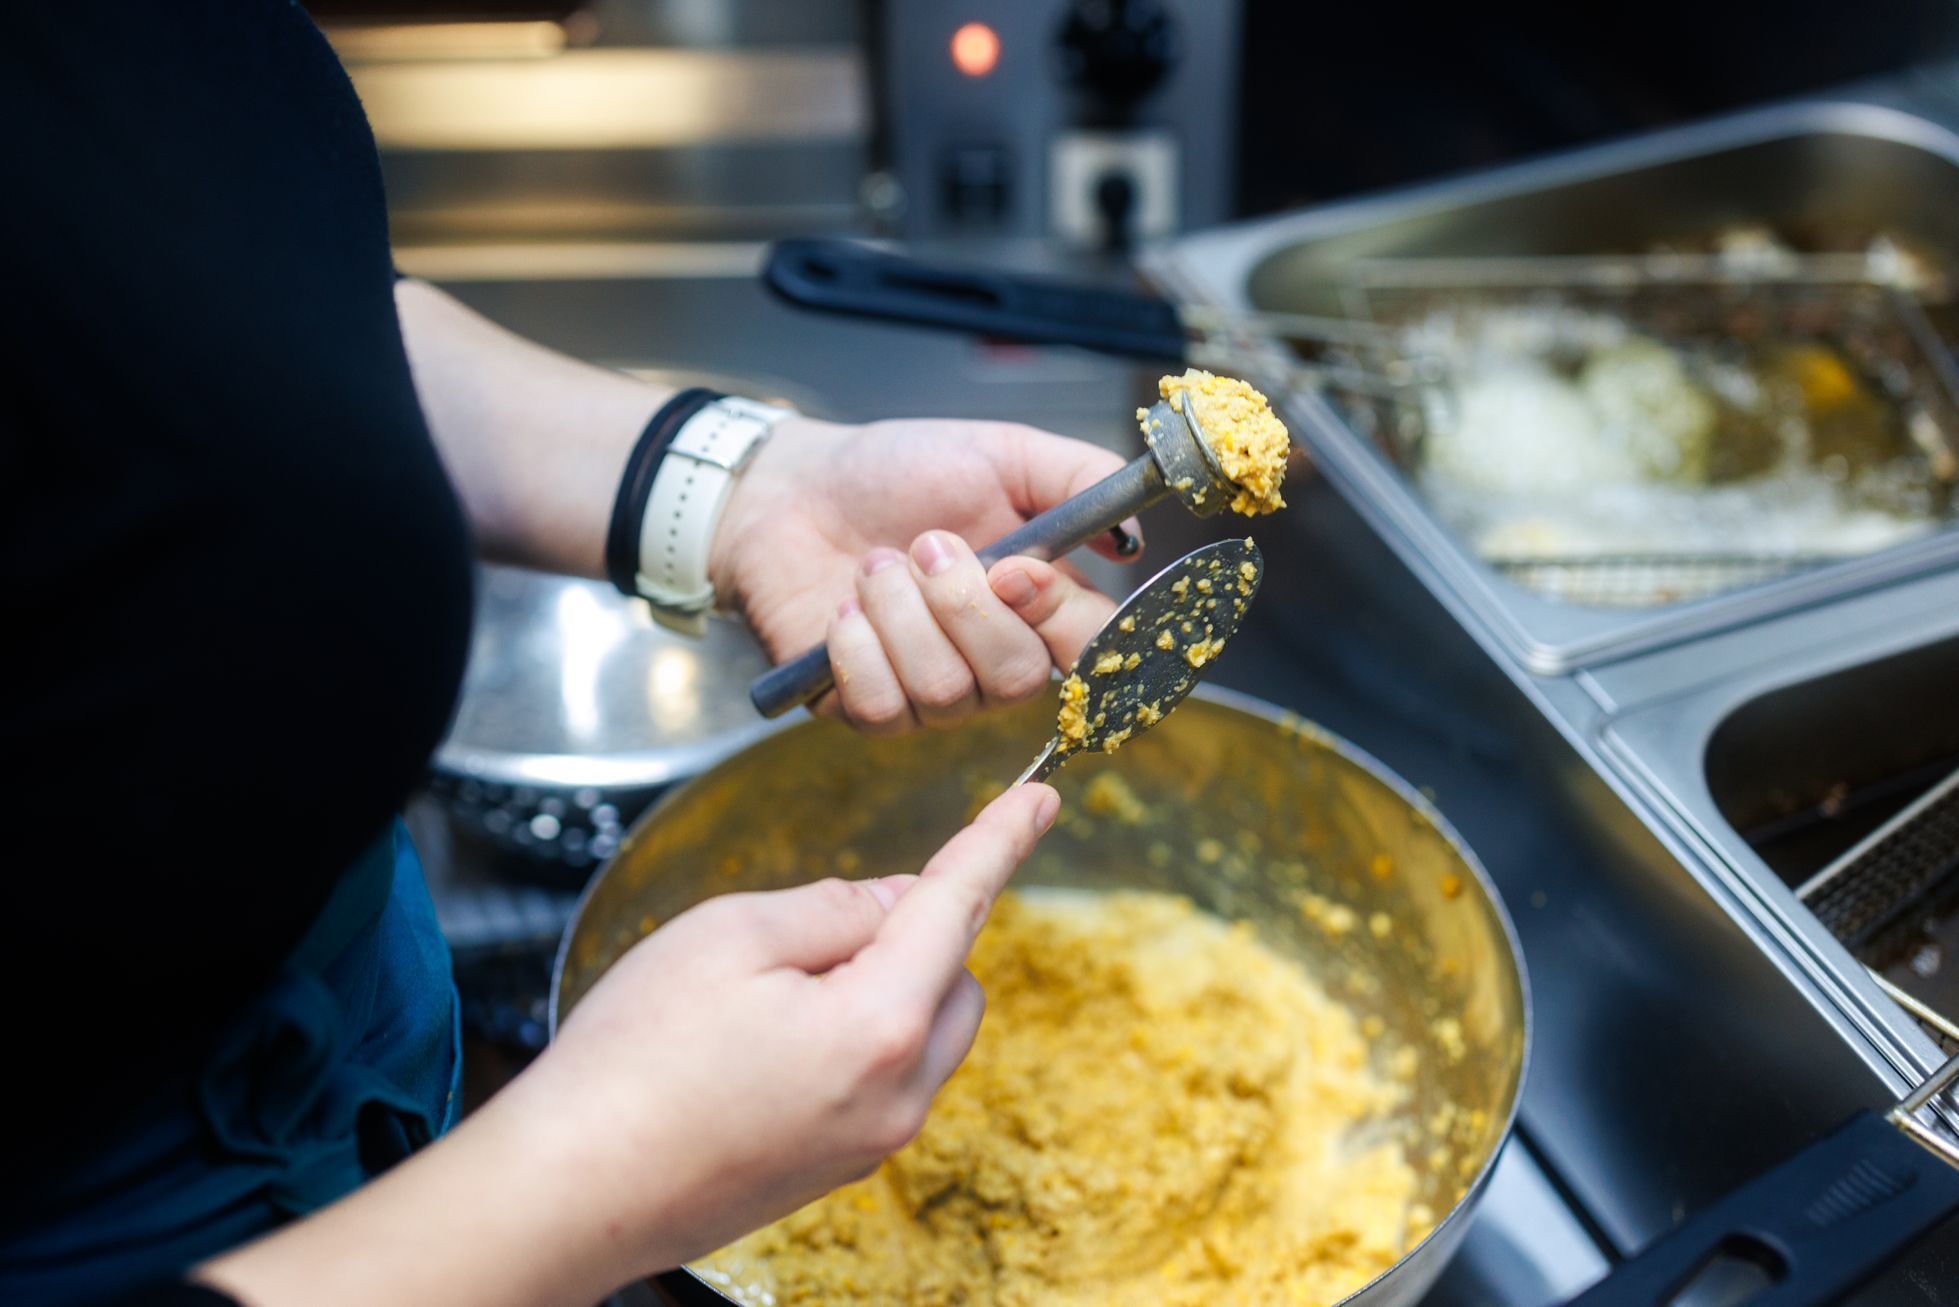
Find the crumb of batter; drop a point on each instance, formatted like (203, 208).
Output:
(1108, 662)
(1336, 919)
(1203, 651)
(1245, 436)
(1165, 640)
(1072, 722)
(1149, 714)
(1132, 662)
(1127, 624)
(1158, 1109)
(1109, 795)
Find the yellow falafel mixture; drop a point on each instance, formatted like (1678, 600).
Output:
(1245, 435)
(1157, 1109)
(1071, 721)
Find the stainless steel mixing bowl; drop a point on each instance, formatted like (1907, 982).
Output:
(1253, 814)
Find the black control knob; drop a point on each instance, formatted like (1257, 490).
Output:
(1116, 51)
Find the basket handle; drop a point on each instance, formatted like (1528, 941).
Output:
(844, 277)
(1815, 1227)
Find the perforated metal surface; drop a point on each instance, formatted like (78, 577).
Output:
(1638, 581)
(1886, 877)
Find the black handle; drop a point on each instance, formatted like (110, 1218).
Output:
(844, 277)
(1069, 523)
(1815, 1227)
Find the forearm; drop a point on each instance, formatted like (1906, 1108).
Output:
(506, 1211)
(534, 441)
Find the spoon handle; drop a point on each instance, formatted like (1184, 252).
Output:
(1045, 764)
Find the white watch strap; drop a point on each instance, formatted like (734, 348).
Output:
(689, 491)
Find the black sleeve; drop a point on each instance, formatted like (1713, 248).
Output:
(237, 580)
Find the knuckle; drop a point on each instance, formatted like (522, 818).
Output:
(838, 895)
(876, 706)
(974, 905)
(945, 687)
(1021, 677)
(892, 1039)
(897, 1126)
(891, 730)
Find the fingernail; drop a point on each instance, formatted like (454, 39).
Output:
(849, 606)
(932, 552)
(883, 893)
(1015, 587)
(1046, 810)
(879, 559)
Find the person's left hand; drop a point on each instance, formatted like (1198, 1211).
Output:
(864, 536)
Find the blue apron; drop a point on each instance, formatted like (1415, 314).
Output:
(347, 1062)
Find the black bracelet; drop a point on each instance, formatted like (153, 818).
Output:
(636, 486)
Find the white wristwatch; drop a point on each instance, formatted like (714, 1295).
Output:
(689, 492)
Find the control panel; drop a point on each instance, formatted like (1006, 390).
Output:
(1099, 123)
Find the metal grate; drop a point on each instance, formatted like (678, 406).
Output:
(1643, 580)
(1892, 871)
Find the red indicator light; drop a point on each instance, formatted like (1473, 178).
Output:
(975, 49)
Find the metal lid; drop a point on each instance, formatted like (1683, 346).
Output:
(571, 684)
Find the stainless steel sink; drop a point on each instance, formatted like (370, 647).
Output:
(1828, 175)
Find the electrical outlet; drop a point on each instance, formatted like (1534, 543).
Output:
(1139, 170)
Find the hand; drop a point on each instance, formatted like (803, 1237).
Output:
(747, 1057)
(864, 536)
(762, 1049)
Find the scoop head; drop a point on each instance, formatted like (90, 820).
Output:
(1151, 654)
(1183, 455)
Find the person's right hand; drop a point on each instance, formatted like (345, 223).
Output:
(760, 1050)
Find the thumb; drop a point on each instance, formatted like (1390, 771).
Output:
(1063, 611)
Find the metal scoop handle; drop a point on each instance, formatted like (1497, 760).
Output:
(1053, 533)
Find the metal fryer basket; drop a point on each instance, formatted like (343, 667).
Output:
(1875, 897)
(1641, 580)
(1874, 323)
